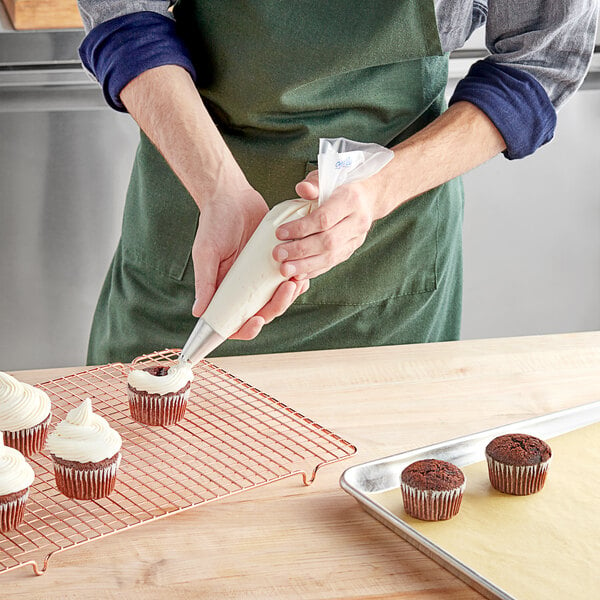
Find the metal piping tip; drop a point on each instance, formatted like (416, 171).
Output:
(203, 340)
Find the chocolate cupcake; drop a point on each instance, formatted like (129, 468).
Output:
(16, 476)
(86, 453)
(518, 463)
(432, 489)
(24, 415)
(158, 395)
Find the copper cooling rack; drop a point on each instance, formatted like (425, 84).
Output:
(233, 438)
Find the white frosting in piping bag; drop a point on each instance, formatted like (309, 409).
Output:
(84, 436)
(255, 274)
(178, 376)
(21, 405)
(15, 472)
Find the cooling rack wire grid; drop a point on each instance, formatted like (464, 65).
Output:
(233, 438)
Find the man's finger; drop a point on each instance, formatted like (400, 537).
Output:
(279, 303)
(250, 329)
(325, 217)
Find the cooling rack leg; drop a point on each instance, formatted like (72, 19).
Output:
(305, 478)
(35, 567)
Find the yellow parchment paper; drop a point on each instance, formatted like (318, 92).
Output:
(545, 546)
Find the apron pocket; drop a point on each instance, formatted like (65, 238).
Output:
(398, 257)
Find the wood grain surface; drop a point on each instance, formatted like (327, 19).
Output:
(290, 541)
(43, 14)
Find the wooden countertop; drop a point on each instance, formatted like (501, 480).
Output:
(286, 540)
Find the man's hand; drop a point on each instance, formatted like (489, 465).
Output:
(331, 233)
(168, 108)
(224, 227)
(458, 140)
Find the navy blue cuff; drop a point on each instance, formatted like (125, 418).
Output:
(514, 101)
(119, 50)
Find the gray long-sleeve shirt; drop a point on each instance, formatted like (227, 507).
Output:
(550, 39)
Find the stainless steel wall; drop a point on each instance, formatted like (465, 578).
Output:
(63, 177)
(532, 234)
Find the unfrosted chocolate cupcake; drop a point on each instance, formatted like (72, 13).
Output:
(432, 489)
(518, 463)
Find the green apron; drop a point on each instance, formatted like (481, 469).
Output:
(276, 76)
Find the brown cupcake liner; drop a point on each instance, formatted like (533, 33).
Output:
(431, 505)
(12, 509)
(28, 441)
(156, 409)
(86, 481)
(517, 480)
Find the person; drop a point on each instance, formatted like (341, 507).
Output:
(232, 98)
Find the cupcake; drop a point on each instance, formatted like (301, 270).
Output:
(86, 454)
(15, 478)
(24, 415)
(432, 489)
(518, 463)
(158, 395)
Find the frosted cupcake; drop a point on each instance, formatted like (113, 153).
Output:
(15, 478)
(159, 395)
(24, 415)
(86, 452)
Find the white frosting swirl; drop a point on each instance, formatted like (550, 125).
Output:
(84, 436)
(178, 376)
(15, 472)
(21, 405)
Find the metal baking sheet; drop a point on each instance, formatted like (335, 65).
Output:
(380, 475)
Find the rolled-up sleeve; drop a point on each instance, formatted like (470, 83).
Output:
(126, 38)
(539, 54)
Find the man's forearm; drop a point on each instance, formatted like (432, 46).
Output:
(460, 139)
(166, 105)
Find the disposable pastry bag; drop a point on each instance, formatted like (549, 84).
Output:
(255, 275)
